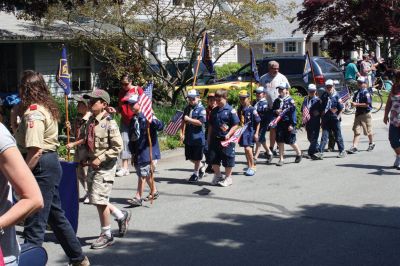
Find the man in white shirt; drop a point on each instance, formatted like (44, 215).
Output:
(270, 81)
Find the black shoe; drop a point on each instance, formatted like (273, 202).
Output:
(123, 223)
(209, 169)
(298, 158)
(316, 156)
(135, 202)
(202, 170)
(269, 157)
(194, 178)
(352, 150)
(371, 146)
(275, 153)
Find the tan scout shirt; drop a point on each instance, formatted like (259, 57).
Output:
(81, 152)
(108, 140)
(38, 129)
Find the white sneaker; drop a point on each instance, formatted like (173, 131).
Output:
(122, 172)
(226, 182)
(216, 179)
(86, 201)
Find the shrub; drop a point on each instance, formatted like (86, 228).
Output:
(298, 100)
(72, 112)
(227, 69)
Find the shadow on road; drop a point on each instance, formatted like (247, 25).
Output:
(380, 169)
(316, 235)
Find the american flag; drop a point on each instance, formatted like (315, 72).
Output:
(275, 122)
(145, 105)
(306, 115)
(344, 94)
(235, 137)
(175, 123)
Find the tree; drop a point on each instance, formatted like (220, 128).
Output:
(143, 25)
(353, 23)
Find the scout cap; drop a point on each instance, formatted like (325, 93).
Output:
(329, 82)
(79, 98)
(131, 98)
(362, 80)
(243, 94)
(98, 94)
(259, 90)
(282, 86)
(312, 87)
(193, 94)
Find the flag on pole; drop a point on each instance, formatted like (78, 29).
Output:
(344, 94)
(145, 104)
(235, 137)
(275, 122)
(174, 124)
(206, 56)
(63, 77)
(306, 115)
(307, 67)
(254, 68)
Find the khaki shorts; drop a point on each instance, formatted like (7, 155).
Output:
(100, 183)
(363, 121)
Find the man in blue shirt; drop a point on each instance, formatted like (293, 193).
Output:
(362, 100)
(222, 125)
(194, 117)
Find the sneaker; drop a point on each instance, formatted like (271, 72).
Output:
(123, 223)
(216, 179)
(396, 162)
(274, 152)
(371, 146)
(102, 242)
(155, 196)
(352, 150)
(280, 163)
(135, 202)
(122, 172)
(209, 169)
(86, 200)
(298, 159)
(316, 156)
(226, 182)
(250, 172)
(269, 157)
(342, 154)
(202, 171)
(84, 262)
(194, 178)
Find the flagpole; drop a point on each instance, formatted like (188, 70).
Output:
(251, 80)
(198, 61)
(311, 66)
(67, 121)
(151, 162)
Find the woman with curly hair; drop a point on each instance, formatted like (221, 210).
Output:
(37, 135)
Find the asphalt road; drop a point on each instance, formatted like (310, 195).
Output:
(330, 212)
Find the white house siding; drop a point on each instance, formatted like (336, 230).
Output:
(228, 57)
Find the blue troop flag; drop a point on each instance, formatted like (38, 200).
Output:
(206, 56)
(254, 68)
(307, 67)
(63, 77)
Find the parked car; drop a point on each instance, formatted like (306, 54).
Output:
(293, 67)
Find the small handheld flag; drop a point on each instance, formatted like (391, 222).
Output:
(275, 122)
(63, 77)
(175, 123)
(344, 94)
(235, 137)
(306, 115)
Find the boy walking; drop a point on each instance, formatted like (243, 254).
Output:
(104, 144)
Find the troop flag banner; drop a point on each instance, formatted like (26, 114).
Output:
(307, 67)
(63, 77)
(344, 94)
(145, 105)
(206, 56)
(235, 137)
(175, 124)
(254, 68)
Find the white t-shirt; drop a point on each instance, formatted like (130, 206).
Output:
(270, 83)
(8, 241)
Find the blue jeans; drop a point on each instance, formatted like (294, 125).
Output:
(334, 125)
(48, 175)
(312, 136)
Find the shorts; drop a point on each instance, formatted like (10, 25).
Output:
(394, 136)
(194, 153)
(143, 170)
(125, 153)
(247, 139)
(218, 154)
(100, 184)
(283, 135)
(261, 135)
(363, 121)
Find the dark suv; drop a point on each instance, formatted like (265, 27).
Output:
(293, 67)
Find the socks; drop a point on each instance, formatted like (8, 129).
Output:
(196, 173)
(106, 230)
(117, 214)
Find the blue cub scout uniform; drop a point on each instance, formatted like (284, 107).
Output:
(314, 106)
(264, 112)
(248, 115)
(330, 101)
(194, 135)
(222, 120)
(363, 96)
(288, 118)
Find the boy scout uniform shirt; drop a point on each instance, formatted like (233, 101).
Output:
(38, 129)
(194, 135)
(287, 106)
(107, 138)
(363, 96)
(80, 133)
(331, 101)
(262, 110)
(222, 119)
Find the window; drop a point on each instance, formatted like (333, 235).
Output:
(269, 48)
(183, 3)
(290, 47)
(80, 70)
